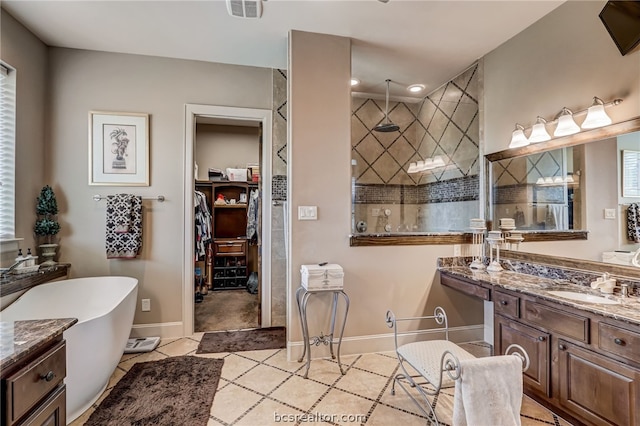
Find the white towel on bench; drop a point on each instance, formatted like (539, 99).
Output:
(488, 392)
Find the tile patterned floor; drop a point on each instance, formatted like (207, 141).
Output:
(263, 388)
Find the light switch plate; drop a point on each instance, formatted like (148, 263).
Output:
(609, 213)
(307, 212)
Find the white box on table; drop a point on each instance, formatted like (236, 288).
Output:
(237, 175)
(322, 277)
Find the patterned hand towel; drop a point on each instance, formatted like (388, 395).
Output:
(123, 226)
(633, 222)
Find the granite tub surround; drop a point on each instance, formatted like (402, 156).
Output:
(20, 339)
(540, 280)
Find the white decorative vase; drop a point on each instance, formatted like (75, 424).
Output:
(48, 252)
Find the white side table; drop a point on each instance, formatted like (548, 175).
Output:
(302, 297)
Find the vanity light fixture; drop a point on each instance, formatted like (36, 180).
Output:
(539, 131)
(566, 123)
(596, 115)
(354, 82)
(518, 138)
(427, 164)
(416, 88)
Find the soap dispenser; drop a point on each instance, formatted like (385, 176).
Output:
(20, 260)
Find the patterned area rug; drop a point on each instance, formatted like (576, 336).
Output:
(172, 391)
(243, 340)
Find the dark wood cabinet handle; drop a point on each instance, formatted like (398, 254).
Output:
(503, 302)
(47, 377)
(619, 341)
(542, 338)
(562, 347)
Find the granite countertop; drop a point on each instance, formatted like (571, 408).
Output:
(628, 310)
(21, 338)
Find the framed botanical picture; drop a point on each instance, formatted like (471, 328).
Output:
(118, 149)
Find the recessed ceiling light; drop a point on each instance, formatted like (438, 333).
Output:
(355, 82)
(416, 88)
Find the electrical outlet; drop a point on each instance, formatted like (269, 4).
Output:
(457, 250)
(146, 305)
(307, 212)
(609, 213)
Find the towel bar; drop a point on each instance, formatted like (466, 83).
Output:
(430, 359)
(158, 198)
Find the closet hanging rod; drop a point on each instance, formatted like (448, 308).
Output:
(158, 198)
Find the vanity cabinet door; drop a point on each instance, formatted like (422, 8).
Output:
(597, 389)
(537, 345)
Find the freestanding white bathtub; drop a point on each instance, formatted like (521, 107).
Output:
(104, 307)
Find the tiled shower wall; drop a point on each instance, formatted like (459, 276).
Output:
(279, 194)
(445, 123)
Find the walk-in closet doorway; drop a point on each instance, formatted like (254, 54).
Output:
(260, 121)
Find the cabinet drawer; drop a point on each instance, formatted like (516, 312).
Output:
(475, 290)
(619, 341)
(53, 411)
(505, 304)
(568, 324)
(28, 386)
(229, 247)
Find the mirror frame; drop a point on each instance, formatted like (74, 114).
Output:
(593, 135)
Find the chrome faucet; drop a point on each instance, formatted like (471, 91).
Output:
(605, 283)
(7, 271)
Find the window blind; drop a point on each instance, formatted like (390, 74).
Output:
(7, 151)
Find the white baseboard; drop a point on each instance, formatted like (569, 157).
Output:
(385, 342)
(164, 330)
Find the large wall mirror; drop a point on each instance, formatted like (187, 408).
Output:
(395, 203)
(575, 187)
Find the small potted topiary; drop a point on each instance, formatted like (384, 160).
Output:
(47, 226)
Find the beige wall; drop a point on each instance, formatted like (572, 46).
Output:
(564, 59)
(28, 55)
(86, 80)
(225, 146)
(376, 278)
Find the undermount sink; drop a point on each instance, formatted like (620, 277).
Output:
(582, 297)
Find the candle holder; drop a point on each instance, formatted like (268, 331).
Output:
(478, 248)
(494, 239)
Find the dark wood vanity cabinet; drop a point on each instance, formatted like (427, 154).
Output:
(536, 343)
(583, 366)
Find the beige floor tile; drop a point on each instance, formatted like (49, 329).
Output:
(234, 366)
(362, 383)
(214, 355)
(149, 356)
(197, 336)
(259, 355)
(401, 400)
(213, 422)
(179, 347)
(267, 413)
(299, 392)
(384, 416)
(377, 363)
(340, 402)
(532, 411)
(168, 340)
(262, 379)
(279, 360)
(322, 370)
(231, 402)
(117, 374)
(83, 417)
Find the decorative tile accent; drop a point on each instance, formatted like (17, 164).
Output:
(279, 187)
(280, 114)
(459, 189)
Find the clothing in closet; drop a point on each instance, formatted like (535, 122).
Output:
(202, 224)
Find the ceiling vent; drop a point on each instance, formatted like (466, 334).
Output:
(245, 8)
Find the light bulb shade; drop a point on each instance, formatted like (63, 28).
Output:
(566, 125)
(539, 132)
(558, 179)
(540, 181)
(427, 165)
(596, 117)
(548, 180)
(438, 161)
(518, 139)
(569, 179)
(413, 168)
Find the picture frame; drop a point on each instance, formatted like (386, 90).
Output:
(118, 148)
